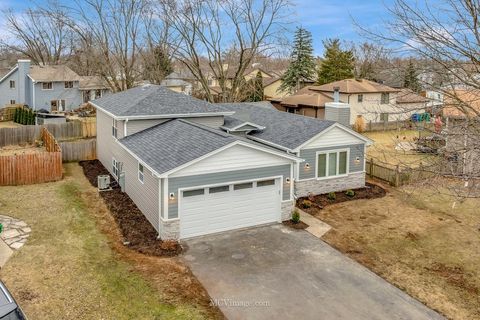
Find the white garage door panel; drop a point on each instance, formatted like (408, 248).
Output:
(233, 209)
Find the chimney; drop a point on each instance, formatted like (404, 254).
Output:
(338, 112)
(336, 94)
(22, 83)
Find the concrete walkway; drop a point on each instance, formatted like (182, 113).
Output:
(315, 226)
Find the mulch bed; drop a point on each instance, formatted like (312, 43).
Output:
(314, 203)
(298, 225)
(137, 232)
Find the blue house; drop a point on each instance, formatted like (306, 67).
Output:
(51, 87)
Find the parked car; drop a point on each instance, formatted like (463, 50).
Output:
(9, 309)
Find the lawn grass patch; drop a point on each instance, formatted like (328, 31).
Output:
(417, 240)
(68, 268)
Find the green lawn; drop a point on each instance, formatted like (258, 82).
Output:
(68, 269)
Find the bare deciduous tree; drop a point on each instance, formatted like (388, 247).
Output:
(229, 34)
(113, 31)
(38, 34)
(446, 35)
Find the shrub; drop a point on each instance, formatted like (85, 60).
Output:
(331, 196)
(306, 204)
(296, 216)
(350, 193)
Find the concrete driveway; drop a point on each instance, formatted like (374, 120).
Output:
(274, 272)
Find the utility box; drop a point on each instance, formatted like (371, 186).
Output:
(103, 182)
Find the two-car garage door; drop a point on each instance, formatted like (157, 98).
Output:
(219, 208)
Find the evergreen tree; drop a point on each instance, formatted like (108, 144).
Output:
(337, 64)
(410, 79)
(157, 65)
(302, 64)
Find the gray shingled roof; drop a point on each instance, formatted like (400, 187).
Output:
(174, 143)
(281, 128)
(150, 100)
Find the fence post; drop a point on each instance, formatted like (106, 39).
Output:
(371, 168)
(397, 176)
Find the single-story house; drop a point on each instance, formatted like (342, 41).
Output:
(195, 168)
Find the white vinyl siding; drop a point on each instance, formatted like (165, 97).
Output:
(332, 164)
(234, 158)
(333, 138)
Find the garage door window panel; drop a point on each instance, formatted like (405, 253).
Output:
(193, 193)
(266, 183)
(218, 189)
(241, 186)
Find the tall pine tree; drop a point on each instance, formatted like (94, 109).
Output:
(410, 79)
(337, 64)
(302, 64)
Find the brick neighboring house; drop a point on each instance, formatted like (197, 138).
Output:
(372, 101)
(51, 87)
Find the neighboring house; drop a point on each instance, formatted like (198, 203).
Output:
(180, 82)
(51, 87)
(271, 81)
(372, 101)
(195, 168)
(93, 87)
(410, 102)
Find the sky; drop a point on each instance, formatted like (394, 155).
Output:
(337, 19)
(324, 18)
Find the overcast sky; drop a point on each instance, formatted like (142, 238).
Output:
(324, 18)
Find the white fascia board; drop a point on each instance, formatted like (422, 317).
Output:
(335, 125)
(9, 73)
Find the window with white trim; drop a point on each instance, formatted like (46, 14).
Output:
(68, 84)
(47, 85)
(140, 172)
(332, 163)
(115, 167)
(12, 101)
(114, 128)
(12, 84)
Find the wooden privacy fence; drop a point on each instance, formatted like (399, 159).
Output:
(33, 168)
(79, 150)
(61, 131)
(397, 176)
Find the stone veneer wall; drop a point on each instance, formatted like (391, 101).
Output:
(169, 230)
(287, 207)
(352, 181)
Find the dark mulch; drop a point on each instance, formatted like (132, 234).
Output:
(317, 202)
(298, 225)
(137, 232)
